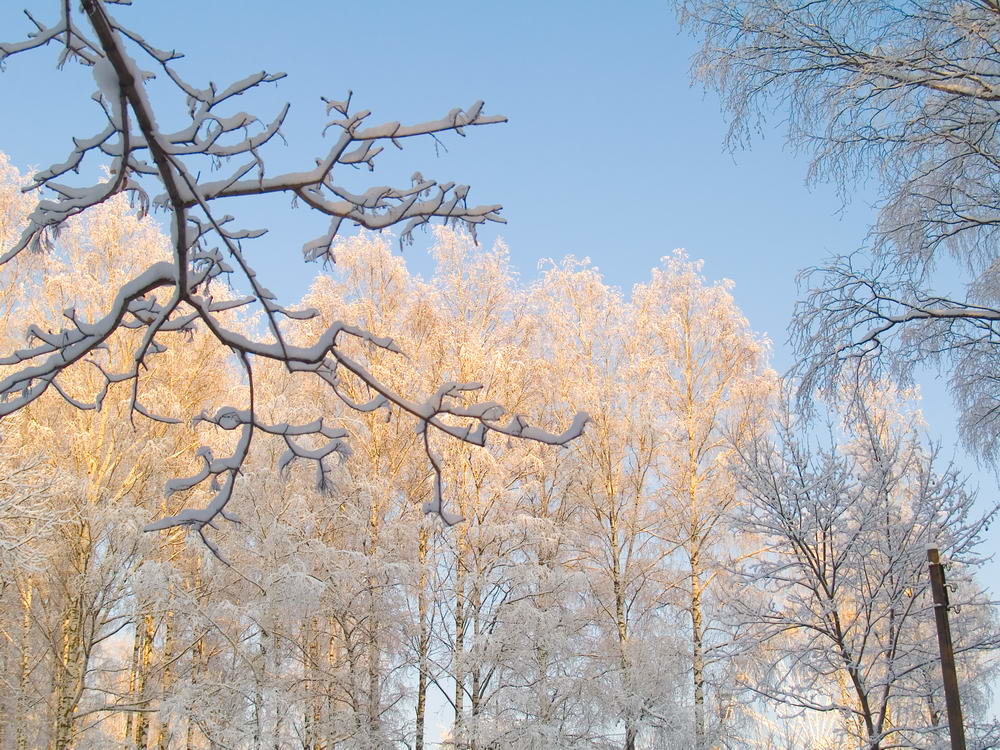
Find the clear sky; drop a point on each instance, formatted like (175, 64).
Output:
(609, 153)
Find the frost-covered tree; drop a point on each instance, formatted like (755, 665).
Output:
(28, 525)
(75, 592)
(188, 174)
(707, 375)
(846, 622)
(611, 485)
(907, 94)
(670, 378)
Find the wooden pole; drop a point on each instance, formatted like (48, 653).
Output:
(955, 725)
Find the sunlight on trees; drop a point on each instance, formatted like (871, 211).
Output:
(702, 567)
(593, 597)
(192, 167)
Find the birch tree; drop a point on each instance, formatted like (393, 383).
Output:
(706, 373)
(380, 527)
(28, 526)
(849, 627)
(612, 486)
(906, 94)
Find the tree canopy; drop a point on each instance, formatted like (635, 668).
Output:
(905, 95)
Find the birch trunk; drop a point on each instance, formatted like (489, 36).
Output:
(166, 680)
(133, 677)
(146, 658)
(424, 636)
(459, 655)
(24, 667)
(697, 650)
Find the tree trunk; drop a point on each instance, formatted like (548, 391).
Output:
(424, 636)
(24, 667)
(197, 668)
(68, 675)
(336, 654)
(282, 700)
(476, 697)
(166, 681)
(146, 658)
(459, 655)
(310, 712)
(621, 625)
(259, 683)
(374, 684)
(133, 677)
(697, 648)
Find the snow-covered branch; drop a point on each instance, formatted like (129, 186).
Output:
(172, 297)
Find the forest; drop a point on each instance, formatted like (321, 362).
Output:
(459, 509)
(693, 570)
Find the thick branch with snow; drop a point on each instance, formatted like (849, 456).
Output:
(164, 171)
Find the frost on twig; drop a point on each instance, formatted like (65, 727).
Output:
(188, 174)
(905, 99)
(878, 320)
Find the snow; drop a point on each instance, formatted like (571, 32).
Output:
(107, 80)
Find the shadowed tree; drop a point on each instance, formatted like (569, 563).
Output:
(907, 94)
(847, 625)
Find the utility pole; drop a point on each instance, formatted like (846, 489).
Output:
(956, 726)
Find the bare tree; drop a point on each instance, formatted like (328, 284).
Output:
(847, 624)
(191, 168)
(908, 94)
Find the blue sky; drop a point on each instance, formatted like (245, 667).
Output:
(609, 153)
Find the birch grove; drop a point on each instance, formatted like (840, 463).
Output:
(464, 510)
(606, 595)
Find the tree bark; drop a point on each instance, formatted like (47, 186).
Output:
(697, 649)
(621, 625)
(24, 667)
(424, 636)
(145, 661)
(459, 655)
(69, 673)
(166, 681)
(476, 697)
(197, 668)
(133, 677)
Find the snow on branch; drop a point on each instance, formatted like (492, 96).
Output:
(877, 319)
(854, 313)
(143, 160)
